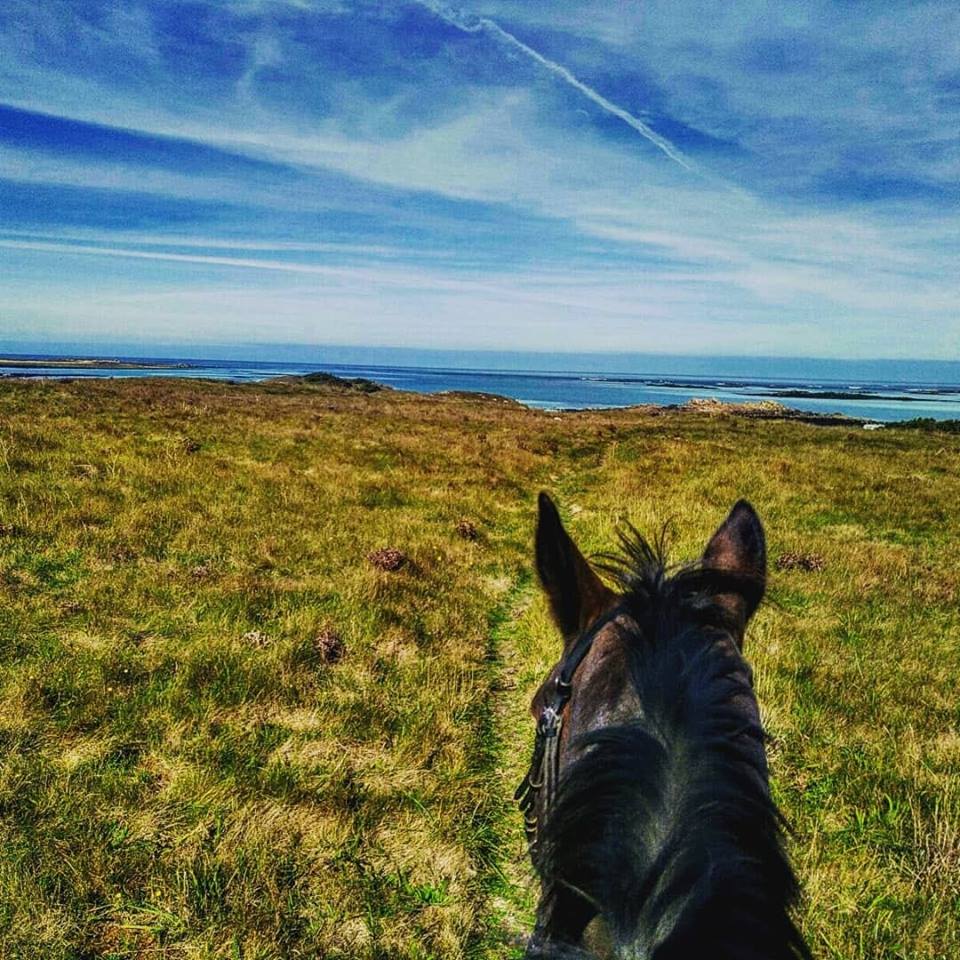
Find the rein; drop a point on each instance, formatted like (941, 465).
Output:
(544, 772)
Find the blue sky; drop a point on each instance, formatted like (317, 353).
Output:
(669, 177)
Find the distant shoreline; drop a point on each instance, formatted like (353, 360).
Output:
(90, 363)
(875, 400)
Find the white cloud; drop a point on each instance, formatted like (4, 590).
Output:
(635, 123)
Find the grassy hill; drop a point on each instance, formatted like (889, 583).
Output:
(233, 725)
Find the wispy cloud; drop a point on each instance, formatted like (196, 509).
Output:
(476, 24)
(211, 243)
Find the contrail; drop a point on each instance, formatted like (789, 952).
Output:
(470, 24)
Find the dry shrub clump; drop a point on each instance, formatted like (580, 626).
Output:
(467, 530)
(330, 646)
(808, 562)
(389, 559)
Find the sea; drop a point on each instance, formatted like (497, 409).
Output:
(881, 391)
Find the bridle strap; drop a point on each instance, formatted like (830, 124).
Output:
(572, 661)
(544, 772)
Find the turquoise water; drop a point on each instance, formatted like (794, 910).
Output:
(876, 390)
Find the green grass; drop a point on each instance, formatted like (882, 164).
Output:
(184, 774)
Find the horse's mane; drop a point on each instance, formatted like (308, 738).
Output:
(666, 824)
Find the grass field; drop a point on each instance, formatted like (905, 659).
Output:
(225, 732)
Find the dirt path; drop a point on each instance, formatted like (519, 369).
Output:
(503, 735)
(521, 649)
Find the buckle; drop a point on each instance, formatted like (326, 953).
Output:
(549, 722)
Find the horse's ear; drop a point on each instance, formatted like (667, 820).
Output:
(577, 595)
(738, 549)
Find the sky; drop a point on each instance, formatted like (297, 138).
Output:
(653, 176)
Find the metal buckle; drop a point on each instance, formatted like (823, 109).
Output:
(549, 722)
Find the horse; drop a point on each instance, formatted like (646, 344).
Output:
(647, 806)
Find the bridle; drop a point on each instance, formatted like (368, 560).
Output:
(544, 772)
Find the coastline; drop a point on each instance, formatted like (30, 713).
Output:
(90, 363)
(821, 401)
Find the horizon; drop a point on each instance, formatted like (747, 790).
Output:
(498, 176)
(905, 370)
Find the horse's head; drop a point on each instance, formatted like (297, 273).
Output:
(597, 623)
(649, 707)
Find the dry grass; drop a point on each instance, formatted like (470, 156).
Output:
(188, 772)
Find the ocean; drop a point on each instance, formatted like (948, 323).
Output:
(883, 391)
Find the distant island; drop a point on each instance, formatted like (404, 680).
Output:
(321, 378)
(90, 363)
(846, 395)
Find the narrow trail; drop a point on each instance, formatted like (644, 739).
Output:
(516, 660)
(503, 878)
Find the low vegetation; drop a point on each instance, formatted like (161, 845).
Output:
(267, 649)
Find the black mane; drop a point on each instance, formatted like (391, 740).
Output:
(666, 824)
